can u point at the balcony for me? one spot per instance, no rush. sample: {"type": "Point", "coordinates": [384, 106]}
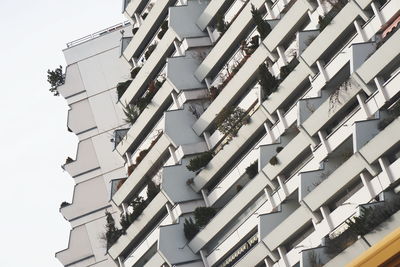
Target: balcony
{"type": "Point", "coordinates": [147, 119]}
{"type": "Point", "coordinates": [147, 29]}
{"type": "Point", "coordinates": [245, 75]}
{"type": "Point", "coordinates": [151, 68]}
{"type": "Point", "coordinates": [136, 179]}
{"type": "Point", "coordinates": [152, 212]}
{"type": "Point", "coordinates": [131, 7]}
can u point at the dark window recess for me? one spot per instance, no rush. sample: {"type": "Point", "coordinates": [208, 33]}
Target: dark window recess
{"type": "Point", "coordinates": [347, 191]}
{"type": "Point", "coordinates": [299, 236]}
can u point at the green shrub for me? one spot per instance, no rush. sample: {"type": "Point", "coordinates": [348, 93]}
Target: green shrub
{"type": "Point", "coordinates": [135, 72]}
{"type": "Point", "coordinates": [220, 23]}
{"type": "Point", "coordinates": [55, 78]}
{"type": "Point", "coordinates": [273, 160]}
{"type": "Point", "coordinates": [112, 233]}
{"type": "Point", "coordinates": [190, 229]}
{"type": "Point", "coordinates": [267, 81]}
{"type": "Point", "coordinates": [121, 88]}
{"type": "Point", "coordinates": [164, 29]}
{"type": "Point", "coordinates": [230, 120]}
{"type": "Point", "coordinates": [150, 51]}
{"type": "Point", "coordinates": [203, 215]}
{"type": "Point", "coordinates": [263, 26]}
{"type": "Point", "coordinates": [252, 170]}
{"type": "Point", "coordinates": [199, 162]}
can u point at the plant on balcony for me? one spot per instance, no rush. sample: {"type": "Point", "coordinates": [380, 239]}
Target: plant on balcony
{"type": "Point", "coordinates": [64, 204]}
{"type": "Point", "coordinates": [112, 233]}
{"type": "Point", "coordinates": [287, 69]}
{"type": "Point", "coordinates": [273, 161]}
{"type": "Point", "coordinates": [144, 15]}
{"type": "Point", "coordinates": [213, 92]}
{"type": "Point", "coordinates": [164, 29]}
{"type": "Point", "coordinates": [229, 120]}
{"type": "Point", "coordinates": [203, 215]}
{"type": "Point", "coordinates": [134, 30]}
{"type": "Point", "coordinates": [68, 160]}
{"type": "Point", "coordinates": [249, 47]}
{"type": "Point", "coordinates": [150, 51]}
{"type": "Point", "coordinates": [263, 26]}
{"type": "Point", "coordinates": [267, 81]}
{"type": "Point", "coordinates": [121, 88]}
{"type": "Point", "coordinates": [131, 113]}
{"type": "Point", "coordinates": [199, 162]}
{"type": "Point", "coordinates": [369, 219]}
{"type": "Point", "coordinates": [137, 205]}
{"type": "Point", "coordinates": [55, 78]}
{"type": "Point", "coordinates": [220, 23]}
{"type": "Point", "coordinates": [152, 190]}
{"type": "Point", "coordinates": [252, 169]}
{"type": "Point", "coordinates": [135, 71]}
{"type": "Point", "coordinates": [337, 5]}
{"type": "Point", "coordinates": [239, 187]}
{"type": "Point", "coordinates": [279, 149]}
{"type": "Point", "coordinates": [190, 229]}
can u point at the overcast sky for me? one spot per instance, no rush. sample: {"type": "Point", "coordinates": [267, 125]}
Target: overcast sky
{"type": "Point", "coordinates": [34, 137]}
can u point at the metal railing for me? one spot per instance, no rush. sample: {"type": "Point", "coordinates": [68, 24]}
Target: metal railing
{"type": "Point", "coordinates": [98, 33]}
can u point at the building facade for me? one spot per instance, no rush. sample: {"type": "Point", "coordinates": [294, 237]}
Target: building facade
{"type": "Point", "coordinates": [260, 133]}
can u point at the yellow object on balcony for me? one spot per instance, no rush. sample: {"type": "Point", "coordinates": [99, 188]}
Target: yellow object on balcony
{"type": "Point", "coordinates": [384, 253]}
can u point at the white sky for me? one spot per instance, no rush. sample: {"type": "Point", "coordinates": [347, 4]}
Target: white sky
{"type": "Point", "coordinates": [35, 141]}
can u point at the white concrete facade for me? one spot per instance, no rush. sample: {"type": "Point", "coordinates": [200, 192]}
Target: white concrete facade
{"type": "Point", "coordinates": [323, 145]}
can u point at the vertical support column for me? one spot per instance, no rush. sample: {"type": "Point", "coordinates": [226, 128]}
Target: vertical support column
{"type": "Point", "coordinates": [207, 139]}
{"type": "Point", "coordinates": [138, 19]}
{"type": "Point", "coordinates": [381, 88]}
{"type": "Point", "coordinates": [178, 48]}
{"type": "Point", "coordinates": [366, 180]}
{"type": "Point", "coordinates": [268, 194]}
{"type": "Point", "coordinates": [124, 208]}
{"type": "Point", "coordinates": [269, 10]}
{"type": "Point", "coordinates": [128, 158]}
{"type": "Point", "coordinates": [282, 185]}
{"type": "Point", "coordinates": [205, 197]}
{"type": "Point", "coordinates": [384, 163]}
{"type": "Point", "coordinates": [282, 56]}
{"type": "Point", "coordinates": [377, 13]}
{"type": "Point", "coordinates": [210, 34]}
{"type": "Point", "coordinates": [320, 65]}
{"type": "Point", "coordinates": [324, 142]}
{"type": "Point", "coordinates": [322, 6]}
{"type": "Point", "coordinates": [269, 132]}
{"type": "Point", "coordinates": [173, 154]}
{"type": "Point", "coordinates": [327, 217]}
{"type": "Point", "coordinates": [360, 30]}
{"type": "Point", "coordinates": [170, 212]}
{"type": "Point", "coordinates": [208, 82]}
{"type": "Point", "coordinates": [364, 108]}
{"type": "Point", "coordinates": [282, 253]}
{"type": "Point", "coordinates": [175, 99]}
{"type": "Point", "coordinates": [121, 262]}
{"type": "Point", "coordinates": [204, 258]}
{"type": "Point", "coordinates": [282, 118]}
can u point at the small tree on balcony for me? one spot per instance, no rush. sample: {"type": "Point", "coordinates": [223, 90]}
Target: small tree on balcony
{"type": "Point", "coordinates": [220, 23]}
{"type": "Point", "coordinates": [267, 81]}
{"type": "Point", "coordinates": [121, 88]}
{"type": "Point", "coordinates": [112, 232]}
{"type": "Point", "coordinates": [199, 162]}
{"type": "Point", "coordinates": [263, 26]}
{"type": "Point", "coordinates": [229, 120]}
{"type": "Point", "coordinates": [55, 78]}
{"type": "Point", "coordinates": [131, 113]}
{"type": "Point", "coordinates": [203, 215]}
{"type": "Point", "coordinates": [190, 229]}
{"type": "Point", "coordinates": [152, 190]}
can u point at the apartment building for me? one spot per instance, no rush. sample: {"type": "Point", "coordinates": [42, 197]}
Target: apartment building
{"type": "Point", "coordinates": [261, 133]}
{"type": "Point", "coordinates": [93, 69]}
